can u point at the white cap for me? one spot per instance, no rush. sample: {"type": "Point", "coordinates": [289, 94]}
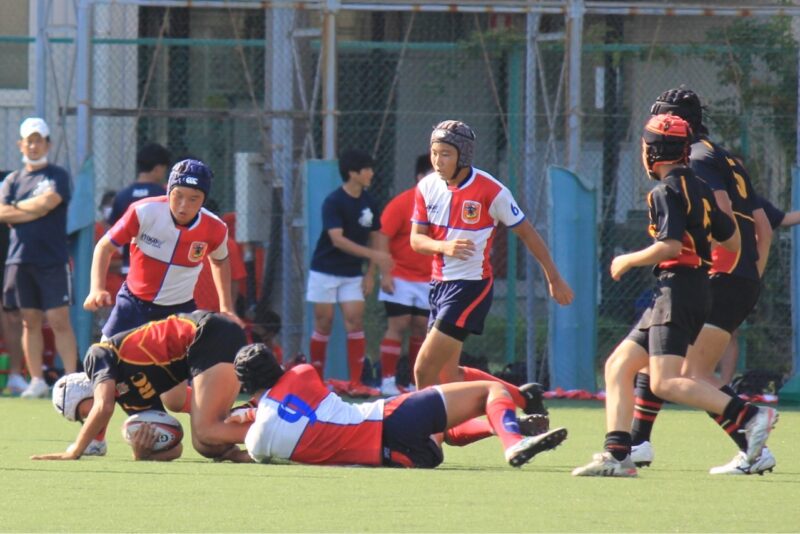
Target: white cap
{"type": "Point", "coordinates": [69, 391]}
{"type": "Point", "coordinates": [33, 125]}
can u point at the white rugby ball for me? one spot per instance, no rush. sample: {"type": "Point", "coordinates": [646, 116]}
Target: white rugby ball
{"type": "Point", "coordinates": [169, 431]}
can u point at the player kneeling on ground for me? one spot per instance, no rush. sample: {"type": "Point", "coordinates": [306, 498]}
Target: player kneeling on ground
{"type": "Point", "coordinates": [298, 419]}
{"type": "Point", "coordinates": [145, 369]}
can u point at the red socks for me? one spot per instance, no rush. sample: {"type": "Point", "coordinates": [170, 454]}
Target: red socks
{"type": "Point", "coordinates": [317, 349]}
{"type": "Point", "coordinates": [502, 416]}
{"type": "Point", "coordinates": [471, 374]}
{"type": "Point", "coordinates": [468, 432]}
{"type": "Point", "coordinates": [390, 353]}
{"type": "Point", "coordinates": [187, 404]}
{"type": "Point", "coordinates": [356, 348]}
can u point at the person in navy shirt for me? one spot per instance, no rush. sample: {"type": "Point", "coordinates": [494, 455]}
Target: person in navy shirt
{"type": "Point", "coordinates": [350, 225]}
{"type": "Point", "coordinates": [152, 163]}
{"type": "Point", "coordinates": [33, 201]}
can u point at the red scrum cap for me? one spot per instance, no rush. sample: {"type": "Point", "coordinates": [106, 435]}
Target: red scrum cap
{"type": "Point", "coordinates": [666, 140]}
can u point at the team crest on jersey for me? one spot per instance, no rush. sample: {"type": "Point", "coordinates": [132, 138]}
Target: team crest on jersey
{"type": "Point", "coordinates": [470, 211]}
{"type": "Point", "coordinates": [197, 250]}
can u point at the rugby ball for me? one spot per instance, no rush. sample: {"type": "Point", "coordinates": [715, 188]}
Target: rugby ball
{"type": "Point", "coordinates": [169, 431]}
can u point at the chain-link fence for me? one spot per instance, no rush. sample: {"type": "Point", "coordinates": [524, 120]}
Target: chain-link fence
{"type": "Point", "coordinates": [242, 85]}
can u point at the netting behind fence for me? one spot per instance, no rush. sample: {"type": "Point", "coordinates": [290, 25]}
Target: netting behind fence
{"type": "Point", "coordinates": [242, 89]}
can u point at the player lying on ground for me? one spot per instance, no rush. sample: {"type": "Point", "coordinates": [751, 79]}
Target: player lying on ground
{"type": "Point", "coordinates": [136, 368]}
{"type": "Point", "coordinates": [298, 419]}
{"type": "Point", "coordinates": [684, 218]}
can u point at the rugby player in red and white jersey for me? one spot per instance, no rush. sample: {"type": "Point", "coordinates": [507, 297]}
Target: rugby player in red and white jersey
{"type": "Point", "coordinates": [456, 212]}
{"type": "Point", "coordinates": [170, 237]}
{"type": "Point", "coordinates": [300, 420]}
{"type": "Point", "coordinates": [405, 289]}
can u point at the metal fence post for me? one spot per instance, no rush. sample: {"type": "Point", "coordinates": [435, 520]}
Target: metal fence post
{"type": "Point", "coordinates": [41, 58]}
{"type": "Point", "coordinates": [329, 80]}
{"type": "Point", "coordinates": [82, 321]}
{"type": "Point", "coordinates": [529, 180]}
{"type": "Point", "coordinates": [575, 43]}
{"type": "Point", "coordinates": [281, 82]}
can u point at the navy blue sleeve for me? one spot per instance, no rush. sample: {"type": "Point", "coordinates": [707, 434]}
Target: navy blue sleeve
{"type": "Point", "coordinates": [376, 217]}
{"type": "Point", "coordinates": [332, 213]}
{"type": "Point", "coordinates": [667, 214]}
{"type": "Point", "coordinates": [117, 209]}
{"type": "Point", "coordinates": [63, 184]}
{"type": "Point", "coordinates": [6, 189]}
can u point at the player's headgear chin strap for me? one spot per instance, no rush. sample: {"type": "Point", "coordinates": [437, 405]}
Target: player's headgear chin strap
{"type": "Point", "coordinates": [460, 136]}
{"type": "Point", "coordinates": [665, 141]}
{"type": "Point", "coordinates": [256, 367]}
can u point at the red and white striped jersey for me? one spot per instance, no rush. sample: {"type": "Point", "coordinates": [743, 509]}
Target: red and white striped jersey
{"type": "Point", "coordinates": [470, 211]}
{"type": "Point", "coordinates": [166, 259]}
{"type": "Point", "coordinates": [298, 419]}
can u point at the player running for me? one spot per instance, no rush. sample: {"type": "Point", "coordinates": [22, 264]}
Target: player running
{"type": "Point", "coordinates": [456, 212]}
{"type": "Point", "coordinates": [735, 281]}
{"type": "Point", "coordinates": [684, 218]}
{"type": "Point", "coordinates": [299, 419]}
{"type": "Point", "coordinates": [136, 368]}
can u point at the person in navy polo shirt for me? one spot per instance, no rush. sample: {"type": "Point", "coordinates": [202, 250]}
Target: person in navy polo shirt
{"type": "Point", "coordinates": [350, 224]}
{"type": "Point", "coordinates": [152, 164]}
{"type": "Point", "coordinates": [33, 201]}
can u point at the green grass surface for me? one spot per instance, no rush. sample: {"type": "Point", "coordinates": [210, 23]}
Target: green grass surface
{"type": "Point", "coordinates": [473, 491]}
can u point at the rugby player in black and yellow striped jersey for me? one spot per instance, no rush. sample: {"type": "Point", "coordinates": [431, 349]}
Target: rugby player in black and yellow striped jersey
{"type": "Point", "coordinates": [735, 280]}
{"type": "Point", "coordinates": [684, 219]}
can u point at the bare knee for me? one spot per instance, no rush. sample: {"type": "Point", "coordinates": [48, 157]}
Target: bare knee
{"type": "Point", "coordinates": [661, 388]}
{"type": "Point", "coordinates": [425, 371]}
{"type": "Point", "coordinates": [323, 325]}
{"type": "Point", "coordinates": [615, 364]}
{"type": "Point", "coordinates": [354, 324]}
{"type": "Point", "coordinates": [496, 390]}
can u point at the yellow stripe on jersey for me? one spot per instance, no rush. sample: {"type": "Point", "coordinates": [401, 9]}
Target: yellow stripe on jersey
{"type": "Point", "coordinates": [686, 195]}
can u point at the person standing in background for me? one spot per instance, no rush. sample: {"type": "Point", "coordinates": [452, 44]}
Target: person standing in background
{"type": "Point", "coordinates": [405, 290]}
{"type": "Point", "coordinates": [350, 230]}
{"type": "Point", "coordinates": [11, 323]}
{"type": "Point", "coordinates": [33, 201]}
{"type": "Point", "coordinates": [152, 163]}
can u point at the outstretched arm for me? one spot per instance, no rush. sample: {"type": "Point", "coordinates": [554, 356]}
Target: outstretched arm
{"type": "Point", "coordinates": [221, 274]}
{"type": "Point", "coordinates": [559, 289]}
{"type": "Point", "coordinates": [98, 418]}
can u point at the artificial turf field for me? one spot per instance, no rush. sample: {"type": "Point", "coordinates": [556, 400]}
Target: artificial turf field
{"type": "Point", "coordinates": [473, 491]}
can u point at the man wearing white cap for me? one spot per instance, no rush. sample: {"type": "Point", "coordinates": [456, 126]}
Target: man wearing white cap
{"type": "Point", "coordinates": [33, 202]}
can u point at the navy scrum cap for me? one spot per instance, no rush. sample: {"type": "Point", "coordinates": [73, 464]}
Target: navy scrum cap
{"type": "Point", "coordinates": [191, 173]}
